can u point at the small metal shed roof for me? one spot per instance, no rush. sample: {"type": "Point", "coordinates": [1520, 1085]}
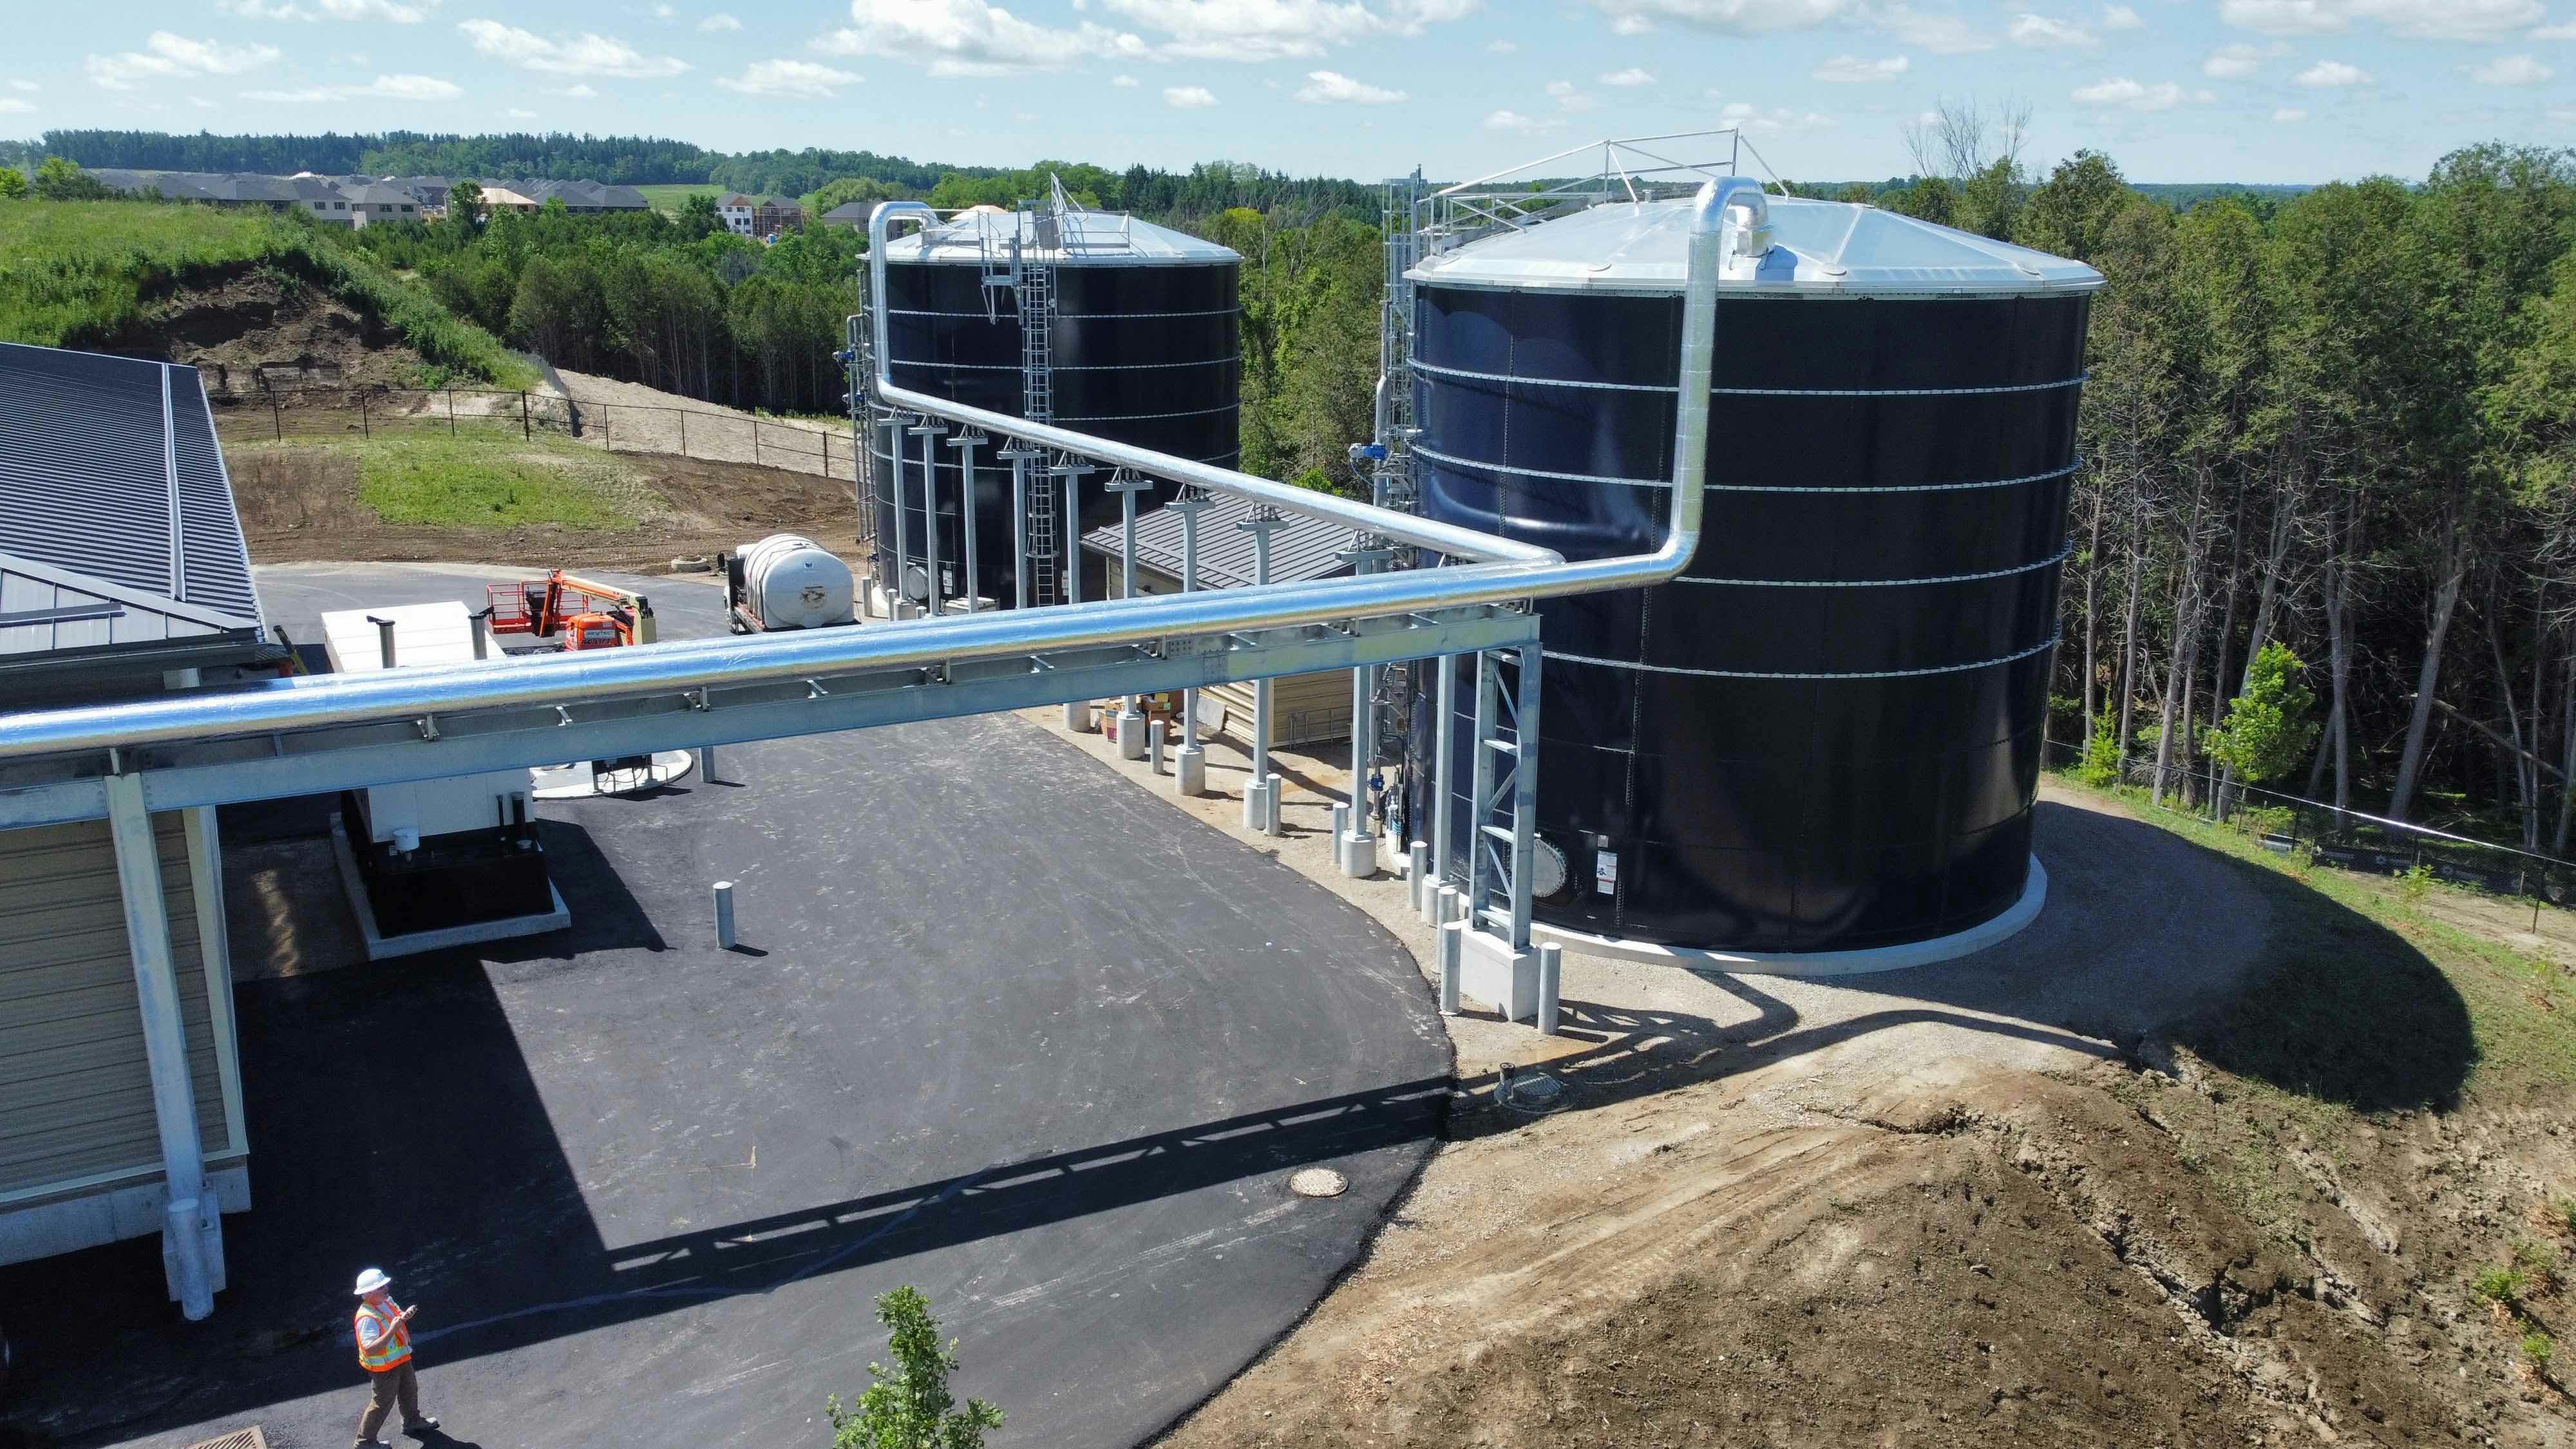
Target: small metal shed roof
{"type": "Point", "coordinates": [117, 524]}
{"type": "Point", "coordinates": [1301, 548]}
{"type": "Point", "coordinates": [1834, 248]}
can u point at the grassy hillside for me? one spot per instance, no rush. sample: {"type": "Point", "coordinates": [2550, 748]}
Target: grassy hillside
{"type": "Point", "coordinates": [672, 196]}
{"type": "Point", "coordinates": [81, 274]}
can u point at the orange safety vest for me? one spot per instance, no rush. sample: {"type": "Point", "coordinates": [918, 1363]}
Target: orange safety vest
{"type": "Point", "coordinates": [391, 1351]}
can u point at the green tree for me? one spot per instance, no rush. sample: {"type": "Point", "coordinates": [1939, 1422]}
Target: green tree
{"type": "Point", "coordinates": [909, 1406]}
{"type": "Point", "coordinates": [60, 180]}
{"type": "Point", "coordinates": [2069, 213]}
{"type": "Point", "coordinates": [2268, 732]}
{"type": "Point", "coordinates": [465, 204]}
{"type": "Point", "coordinates": [13, 183]}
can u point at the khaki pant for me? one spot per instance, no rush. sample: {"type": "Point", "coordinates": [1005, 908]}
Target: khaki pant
{"type": "Point", "coordinates": [390, 1386]}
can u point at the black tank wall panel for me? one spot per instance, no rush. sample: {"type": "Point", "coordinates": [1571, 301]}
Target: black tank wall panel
{"type": "Point", "coordinates": [1148, 355]}
{"type": "Point", "coordinates": [1826, 734]}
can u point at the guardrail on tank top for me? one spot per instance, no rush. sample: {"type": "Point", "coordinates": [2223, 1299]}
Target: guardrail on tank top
{"type": "Point", "coordinates": [712, 435]}
{"type": "Point", "coordinates": [2315, 830]}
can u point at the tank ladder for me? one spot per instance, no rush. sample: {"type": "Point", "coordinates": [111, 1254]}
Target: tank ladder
{"type": "Point", "coordinates": [1036, 296]}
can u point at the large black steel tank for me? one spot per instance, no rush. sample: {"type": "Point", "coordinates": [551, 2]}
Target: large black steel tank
{"type": "Point", "coordinates": [1825, 735]}
{"type": "Point", "coordinates": [1145, 343]}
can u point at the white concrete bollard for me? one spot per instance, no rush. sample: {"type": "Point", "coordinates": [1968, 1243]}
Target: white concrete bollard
{"type": "Point", "coordinates": [724, 914]}
{"type": "Point", "coordinates": [1417, 872]}
{"type": "Point", "coordinates": [1131, 734]}
{"type": "Point", "coordinates": [1077, 715]}
{"type": "Point", "coordinates": [1551, 978]}
{"type": "Point", "coordinates": [707, 763]}
{"type": "Point", "coordinates": [1453, 954]}
{"type": "Point", "coordinates": [1189, 770]}
{"type": "Point", "coordinates": [1270, 801]}
{"type": "Point", "coordinates": [1341, 824]}
{"type": "Point", "coordinates": [1154, 745]}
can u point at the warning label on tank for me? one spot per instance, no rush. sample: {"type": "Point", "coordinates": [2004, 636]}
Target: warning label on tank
{"type": "Point", "coordinates": [1605, 872]}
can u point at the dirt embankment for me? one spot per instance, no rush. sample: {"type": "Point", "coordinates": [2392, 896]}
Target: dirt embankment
{"type": "Point", "coordinates": [2049, 1195]}
{"type": "Point", "coordinates": [300, 503]}
{"type": "Point", "coordinates": [264, 317]}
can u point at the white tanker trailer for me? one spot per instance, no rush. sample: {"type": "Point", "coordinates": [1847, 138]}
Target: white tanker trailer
{"type": "Point", "coordinates": [786, 581]}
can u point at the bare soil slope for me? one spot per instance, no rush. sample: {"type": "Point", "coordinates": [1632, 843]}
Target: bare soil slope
{"type": "Point", "coordinates": [2201, 1158]}
{"type": "Point", "coordinates": [265, 316]}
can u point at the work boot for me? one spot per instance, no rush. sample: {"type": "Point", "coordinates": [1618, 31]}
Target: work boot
{"type": "Point", "coordinates": [371, 1444]}
{"type": "Point", "coordinates": [420, 1426]}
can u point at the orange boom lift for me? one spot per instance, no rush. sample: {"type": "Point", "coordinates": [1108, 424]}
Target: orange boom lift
{"type": "Point", "coordinates": [574, 611]}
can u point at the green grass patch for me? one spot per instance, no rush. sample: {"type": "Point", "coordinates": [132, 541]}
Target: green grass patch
{"type": "Point", "coordinates": [424, 479]}
{"type": "Point", "coordinates": [83, 273]}
{"type": "Point", "coordinates": [2371, 1004]}
{"type": "Point", "coordinates": [671, 196]}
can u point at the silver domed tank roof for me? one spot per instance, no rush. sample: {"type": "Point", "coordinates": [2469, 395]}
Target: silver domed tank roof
{"type": "Point", "coordinates": [1071, 237]}
{"type": "Point", "coordinates": [1832, 248]}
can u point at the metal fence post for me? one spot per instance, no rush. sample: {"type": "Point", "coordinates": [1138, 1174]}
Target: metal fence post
{"type": "Point", "coordinates": [276, 418]}
{"type": "Point", "coordinates": [755, 442]}
{"type": "Point", "coordinates": [363, 430]}
{"type": "Point", "coordinates": [684, 430]}
{"type": "Point", "coordinates": [527, 434]}
{"type": "Point", "coordinates": [451, 412]}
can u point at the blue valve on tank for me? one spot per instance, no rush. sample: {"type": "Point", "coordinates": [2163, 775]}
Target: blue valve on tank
{"type": "Point", "coordinates": [845, 356]}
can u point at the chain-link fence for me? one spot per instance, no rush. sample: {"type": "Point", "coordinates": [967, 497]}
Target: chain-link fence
{"type": "Point", "coordinates": [2347, 839]}
{"type": "Point", "coordinates": [277, 413]}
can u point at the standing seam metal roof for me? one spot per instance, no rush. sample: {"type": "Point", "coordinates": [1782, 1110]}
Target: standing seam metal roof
{"type": "Point", "coordinates": [1301, 549]}
{"type": "Point", "coordinates": [109, 467]}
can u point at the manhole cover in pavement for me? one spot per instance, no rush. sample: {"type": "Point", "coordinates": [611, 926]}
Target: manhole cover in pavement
{"type": "Point", "coordinates": [1319, 1182]}
{"type": "Point", "coordinates": [249, 1438]}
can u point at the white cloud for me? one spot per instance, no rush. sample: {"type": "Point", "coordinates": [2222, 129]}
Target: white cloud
{"type": "Point", "coordinates": [1257, 30]}
{"type": "Point", "coordinates": [165, 55]}
{"type": "Point", "coordinates": [1325, 87]}
{"type": "Point", "coordinates": [2121, 17]}
{"type": "Point", "coordinates": [720, 21]}
{"type": "Point", "coordinates": [12, 106]}
{"type": "Point", "coordinates": [1727, 17]}
{"type": "Point", "coordinates": [25, 85]}
{"type": "Point", "coordinates": [2131, 95]}
{"type": "Point", "coordinates": [2289, 115]}
{"type": "Point", "coordinates": [1568, 98]}
{"type": "Point", "coordinates": [354, 58]}
{"type": "Point", "coordinates": [1188, 98]}
{"type": "Point", "coordinates": [970, 38]}
{"type": "Point", "coordinates": [2232, 62]}
{"type": "Point", "coordinates": [1940, 33]}
{"type": "Point", "coordinates": [1746, 117]}
{"type": "Point", "coordinates": [584, 54]}
{"type": "Point", "coordinates": [2488, 20]}
{"type": "Point", "coordinates": [393, 10]}
{"type": "Point", "coordinates": [1502, 47]}
{"type": "Point", "coordinates": [1852, 70]}
{"type": "Point", "coordinates": [2564, 116]}
{"type": "Point", "coordinates": [201, 103]}
{"type": "Point", "coordinates": [1635, 75]}
{"type": "Point", "coordinates": [517, 114]}
{"type": "Point", "coordinates": [788, 78]}
{"type": "Point", "coordinates": [2039, 32]}
{"type": "Point", "coordinates": [2511, 70]}
{"type": "Point", "coordinates": [383, 87]}
{"type": "Point", "coordinates": [582, 92]}
{"type": "Point", "coordinates": [1123, 82]}
{"type": "Point", "coordinates": [2555, 32]}
{"type": "Point", "coordinates": [1517, 123]}
{"type": "Point", "coordinates": [2332, 73]}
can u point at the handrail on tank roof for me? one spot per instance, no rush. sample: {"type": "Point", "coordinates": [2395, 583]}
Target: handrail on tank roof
{"type": "Point", "coordinates": [1514, 572]}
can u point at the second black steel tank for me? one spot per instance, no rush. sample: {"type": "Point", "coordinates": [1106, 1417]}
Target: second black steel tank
{"type": "Point", "coordinates": [1140, 342]}
{"type": "Point", "coordinates": [1825, 735]}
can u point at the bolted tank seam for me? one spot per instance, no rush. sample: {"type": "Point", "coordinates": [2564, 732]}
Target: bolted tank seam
{"type": "Point", "coordinates": [1134, 417]}
{"type": "Point", "coordinates": [1076, 366]}
{"type": "Point", "coordinates": [2078, 380]}
{"type": "Point", "coordinates": [2061, 556]}
{"type": "Point", "coordinates": [1456, 462]}
{"type": "Point", "coordinates": [2044, 645]}
{"type": "Point", "coordinates": [1432, 367]}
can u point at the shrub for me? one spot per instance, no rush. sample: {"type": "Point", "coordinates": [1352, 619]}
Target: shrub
{"type": "Point", "coordinates": [909, 1406]}
{"type": "Point", "coordinates": [2100, 764]}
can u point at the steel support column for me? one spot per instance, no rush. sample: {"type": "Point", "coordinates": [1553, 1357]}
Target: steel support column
{"type": "Point", "coordinates": [192, 1244]}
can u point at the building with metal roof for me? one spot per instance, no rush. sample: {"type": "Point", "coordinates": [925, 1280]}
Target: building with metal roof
{"type": "Point", "coordinates": [122, 576]}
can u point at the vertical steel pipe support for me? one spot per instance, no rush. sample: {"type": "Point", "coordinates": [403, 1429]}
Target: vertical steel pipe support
{"type": "Point", "coordinates": [1444, 783]}
{"type": "Point", "coordinates": [927, 431]}
{"type": "Point", "coordinates": [1019, 457]}
{"type": "Point", "coordinates": [1189, 770]}
{"type": "Point", "coordinates": [966, 444]}
{"type": "Point", "coordinates": [1525, 741]}
{"type": "Point", "coordinates": [1131, 720]}
{"type": "Point", "coordinates": [1480, 870]}
{"type": "Point", "coordinates": [192, 1241]}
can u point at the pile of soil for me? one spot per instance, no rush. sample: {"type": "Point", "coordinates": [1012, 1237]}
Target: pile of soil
{"type": "Point", "coordinates": [300, 504]}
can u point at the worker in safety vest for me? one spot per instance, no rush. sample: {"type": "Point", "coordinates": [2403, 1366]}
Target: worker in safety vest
{"type": "Point", "coordinates": [384, 1351]}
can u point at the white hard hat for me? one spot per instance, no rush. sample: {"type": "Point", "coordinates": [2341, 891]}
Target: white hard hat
{"type": "Point", "coordinates": [373, 1280]}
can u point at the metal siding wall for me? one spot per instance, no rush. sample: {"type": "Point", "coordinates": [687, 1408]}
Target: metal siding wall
{"type": "Point", "coordinates": [1147, 355]}
{"type": "Point", "coordinates": [1776, 814]}
{"type": "Point", "coordinates": [75, 1089]}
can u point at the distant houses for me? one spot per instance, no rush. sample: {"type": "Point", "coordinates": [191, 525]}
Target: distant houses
{"type": "Point", "coordinates": [357, 201]}
{"type": "Point", "coordinates": [759, 215]}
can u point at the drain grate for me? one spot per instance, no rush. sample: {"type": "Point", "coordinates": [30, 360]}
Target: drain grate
{"type": "Point", "coordinates": [250, 1438]}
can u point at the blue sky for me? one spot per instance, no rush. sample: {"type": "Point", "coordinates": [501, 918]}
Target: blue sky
{"type": "Point", "coordinates": [2175, 90]}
